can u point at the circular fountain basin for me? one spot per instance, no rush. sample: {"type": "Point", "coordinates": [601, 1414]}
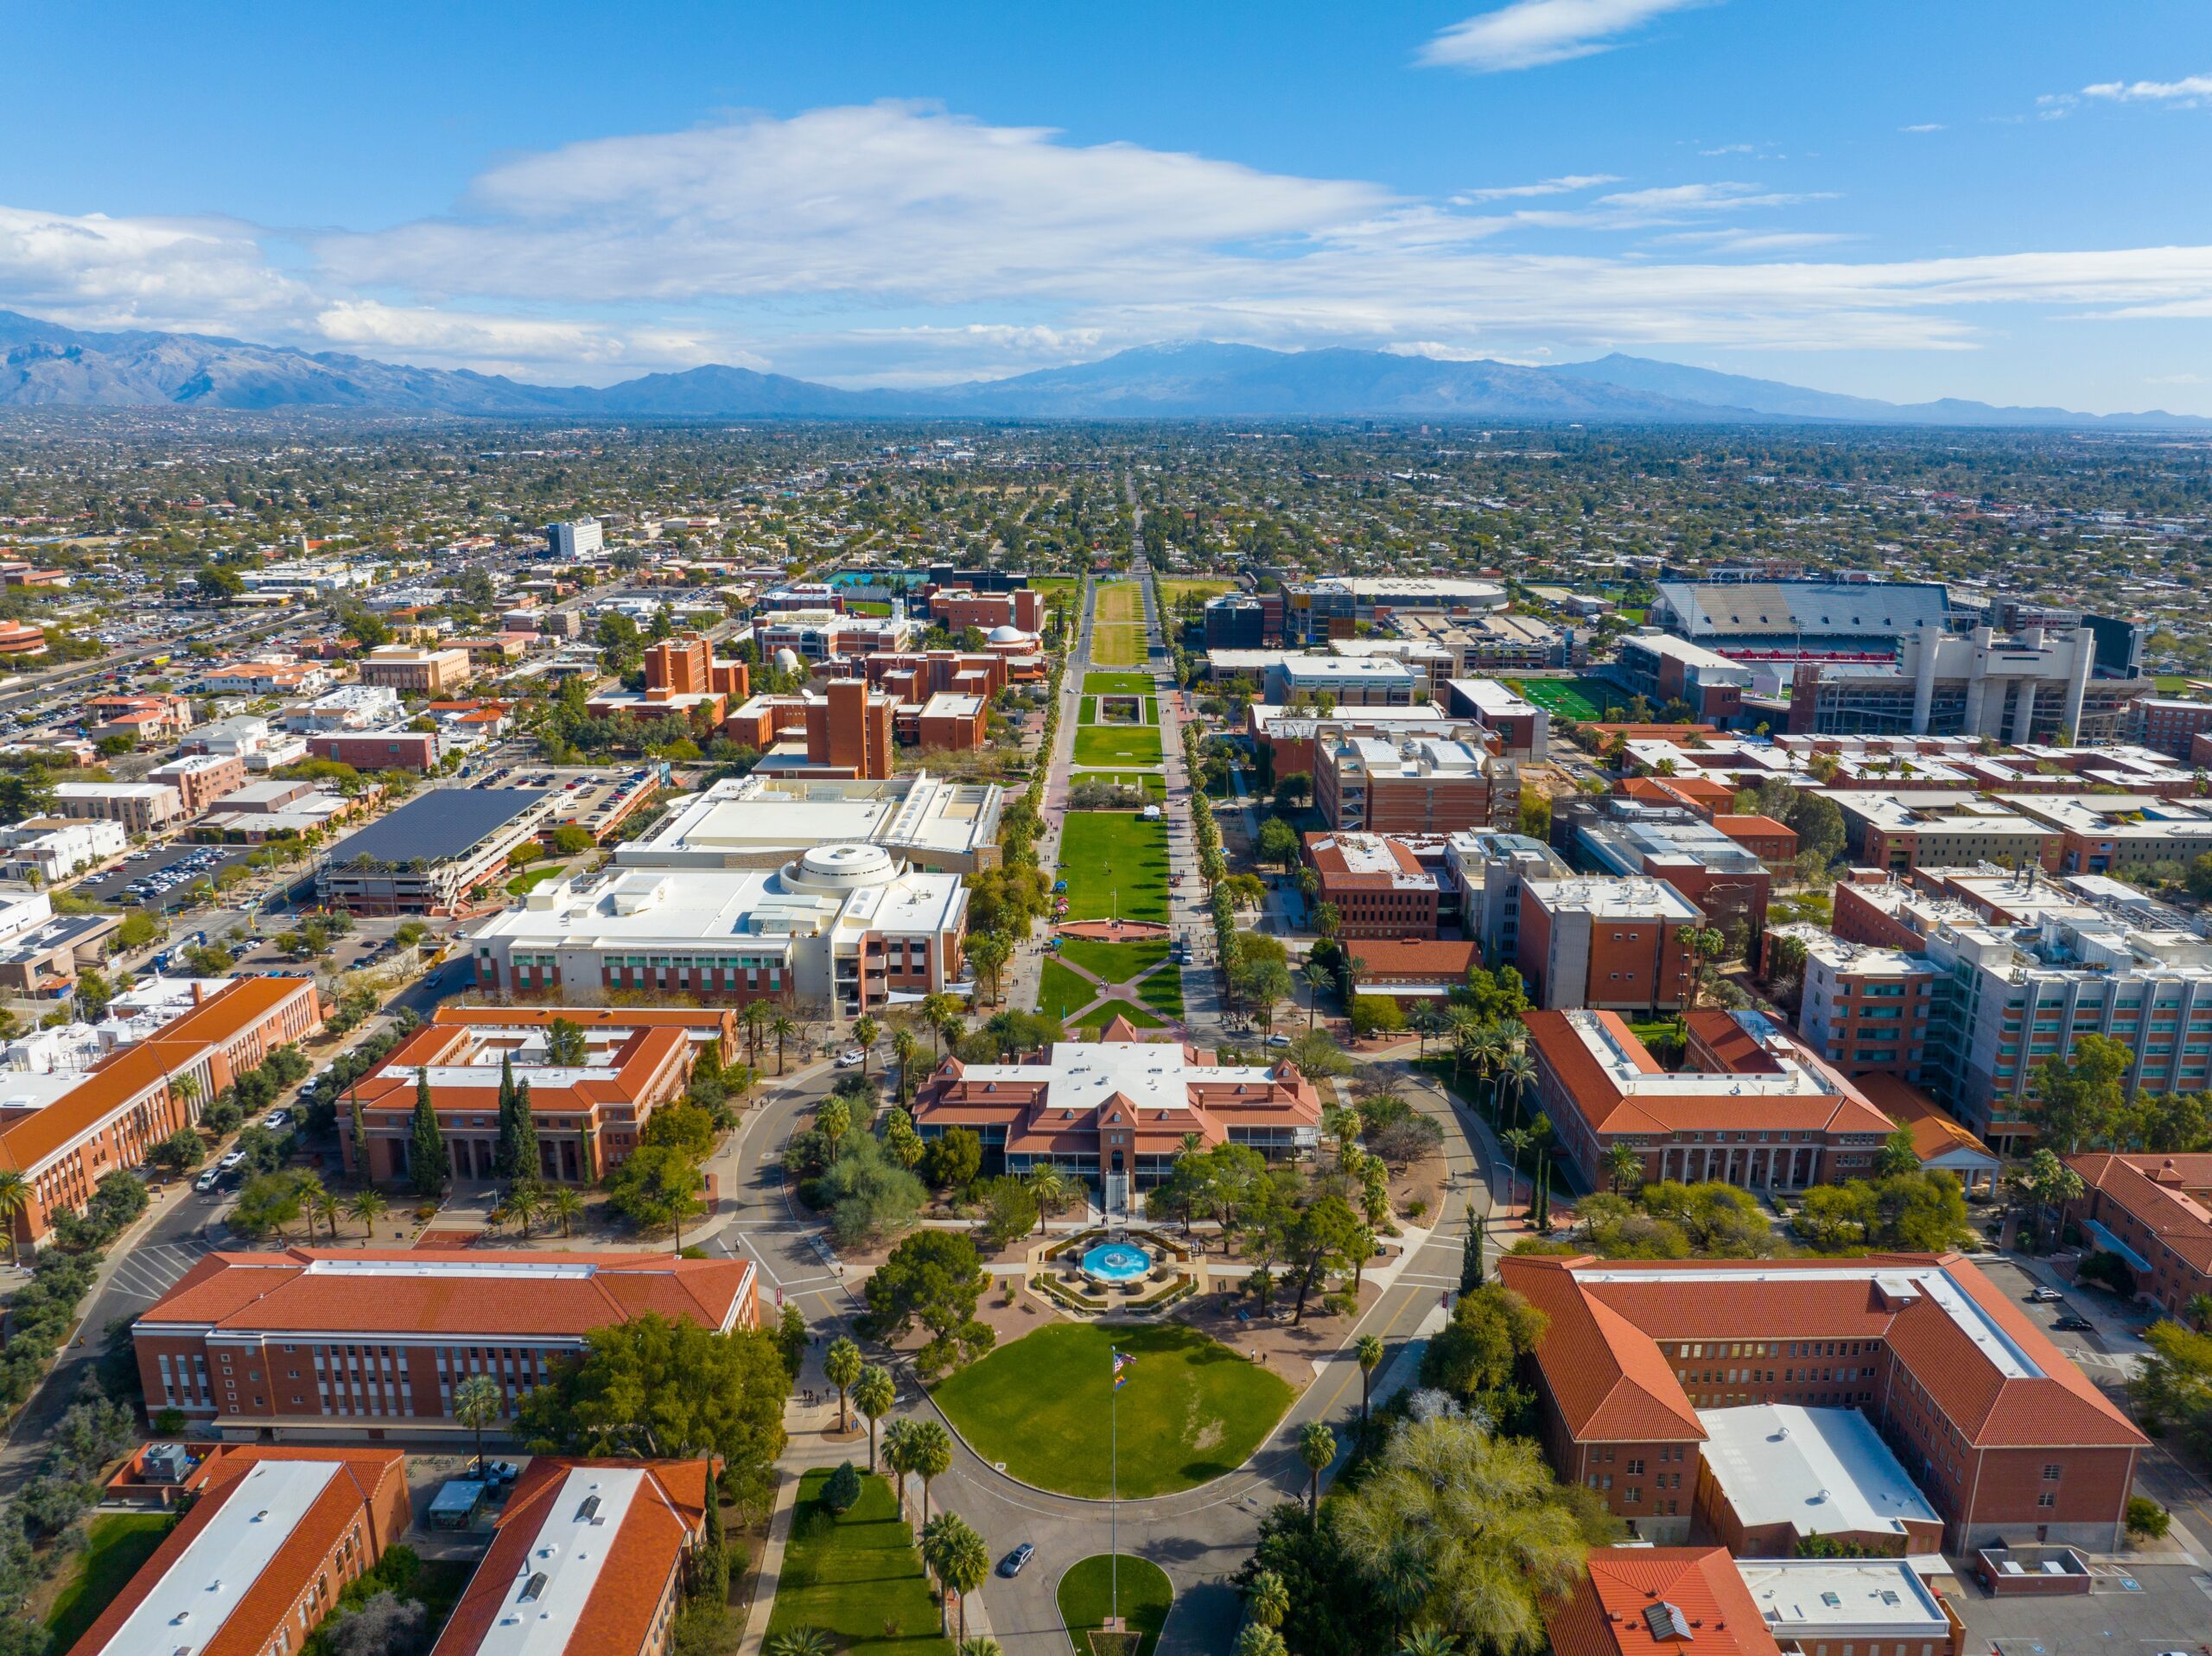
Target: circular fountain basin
{"type": "Point", "coordinates": [1117, 1262]}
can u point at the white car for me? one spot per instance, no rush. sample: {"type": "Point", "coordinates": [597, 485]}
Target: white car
{"type": "Point", "coordinates": [851, 1058]}
{"type": "Point", "coordinates": [230, 1161]}
{"type": "Point", "coordinates": [277, 1120]}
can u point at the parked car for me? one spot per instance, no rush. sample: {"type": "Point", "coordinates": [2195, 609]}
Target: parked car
{"type": "Point", "coordinates": [1010, 1566]}
{"type": "Point", "coordinates": [2045, 1296]}
{"type": "Point", "coordinates": [234, 1159]}
{"type": "Point", "coordinates": [2074, 1325]}
{"type": "Point", "coordinates": [851, 1058]}
{"type": "Point", "coordinates": [208, 1180]}
{"type": "Point", "coordinates": [277, 1120]}
{"type": "Point", "coordinates": [500, 1473]}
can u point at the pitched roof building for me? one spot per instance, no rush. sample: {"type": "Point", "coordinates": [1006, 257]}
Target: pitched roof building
{"type": "Point", "coordinates": [2004, 1435]}
{"type": "Point", "coordinates": [260, 1557]}
{"type": "Point", "coordinates": [1750, 1106]}
{"type": "Point", "coordinates": [1119, 1107]}
{"type": "Point", "coordinates": [587, 1561]}
{"type": "Point", "coordinates": [2155, 1211]}
{"type": "Point", "coordinates": [1653, 1601]}
{"type": "Point", "coordinates": [308, 1342]}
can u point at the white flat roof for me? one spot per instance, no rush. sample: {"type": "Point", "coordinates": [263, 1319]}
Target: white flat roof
{"type": "Point", "coordinates": [1618, 897]}
{"type": "Point", "coordinates": [203, 1589]}
{"type": "Point", "coordinates": [1824, 1471]}
{"type": "Point", "coordinates": [1882, 1597]}
{"type": "Point", "coordinates": [1792, 1080]}
{"type": "Point", "coordinates": [544, 1602]}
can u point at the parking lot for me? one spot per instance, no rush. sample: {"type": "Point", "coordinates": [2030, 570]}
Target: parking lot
{"type": "Point", "coordinates": [161, 875]}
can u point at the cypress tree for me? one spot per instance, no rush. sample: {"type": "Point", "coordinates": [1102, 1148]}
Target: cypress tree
{"type": "Point", "coordinates": [503, 1156]}
{"type": "Point", "coordinates": [1470, 1257]}
{"type": "Point", "coordinates": [716, 1564]}
{"type": "Point", "coordinates": [525, 1136]}
{"type": "Point", "coordinates": [433, 1162]}
{"type": "Point", "coordinates": [587, 1161]}
{"type": "Point", "coordinates": [360, 1139]}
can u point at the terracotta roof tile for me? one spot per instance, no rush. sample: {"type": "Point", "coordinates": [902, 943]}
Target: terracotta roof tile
{"type": "Point", "coordinates": [1604, 1616]}
{"type": "Point", "coordinates": [2172, 1196]}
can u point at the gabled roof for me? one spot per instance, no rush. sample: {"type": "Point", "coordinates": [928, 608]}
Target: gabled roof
{"type": "Point", "coordinates": [1607, 1377]}
{"type": "Point", "coordinates": [2172, 1196]}
{"type": "Point", "coordinates": [1649, 1599]}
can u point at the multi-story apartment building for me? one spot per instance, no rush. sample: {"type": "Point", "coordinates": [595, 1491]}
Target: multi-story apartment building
{"type": "Point", "coordinates": [2169, 725]}
{"type": "Point", "coordinates": [1605, 941]}
{"type": "Point", "coordinates": [139, 807]}
{"type": "Point", "coordinates": [1481, 887]}
{"type": "Point", "coordinates": [268, 1540]}
{"type": "Point", "coordinates": [1423, 784]}
{"type": "Point", "coordinates": [1116, 1110]}
{"type": "Point", "coordinates": [2006, 997]}
{"type": "Point", "coordinates": [2006, 1437]}
{"type": "Point", "coordinates": [152, 720]}
{"type": "Point", "coordinates": [589, 1558]}
{"type": "Point", "coordinates": [311, 1344]}
{"type": "Point", "coordinates": [1748, 1106]}
{"type": "Point", "coordinates": [412, 670]}
{"type": "Point", "coordinates": [589, 1116]}
{"type": "Point", "coordinates": [569, 542]}
{"type": "Point", "coordinates": [136, 1096]}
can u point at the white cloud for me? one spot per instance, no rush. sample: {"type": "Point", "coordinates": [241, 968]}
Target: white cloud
{"type": "Point", "coordinates": [2188, 91]}
{"type": "Point", "coordinates": [95, 271]}
{"type": "Point", "coordinates": [1924, 126]}
{"type": "Point", "coordinates": [1567, 185]}
{"type": "Point", "coordinates": [1531, 33]}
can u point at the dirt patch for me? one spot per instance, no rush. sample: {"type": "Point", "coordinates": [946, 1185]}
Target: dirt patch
{"type": "Point", "coordinates": [1112, 931]}
{"type": "Point", "coordinates": [1420, 1181]}
{"type": "Point", "coordinates": [1290, 1350]}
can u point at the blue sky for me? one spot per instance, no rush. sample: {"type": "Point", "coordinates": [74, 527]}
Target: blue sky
{"type": "Point", "coordinates": [1982, 199]}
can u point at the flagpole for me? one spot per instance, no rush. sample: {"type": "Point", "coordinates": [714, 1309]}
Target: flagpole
{"type": "Point", "coordinates": [1114, 1483]}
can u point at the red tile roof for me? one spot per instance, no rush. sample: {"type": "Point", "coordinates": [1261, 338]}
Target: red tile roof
{"type": "Point", "coordinates": [447, 1292]}
{"type": "Point", "coordinates": [1934, 1131]}
{"type": "Point", "coordinates": [1414, 962]}
{"type": "Point", "coordinates": [2170, 1195]}
{"type": "Point", "coordinates": [1809, 1298]}
{"type": "Point", "coordinates": [616, 1618]}
{"type": "Point", "coordinates": [1607, 1377]}
{"type": "Point", "coordinates": [247, 1631]}
{"type": "Point", "coordinates": [1606, 1614]}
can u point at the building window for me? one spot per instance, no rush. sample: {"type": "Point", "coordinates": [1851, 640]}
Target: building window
{"type": "Point", "coordinates": [2051, 1473]}
{"type": "Point", "coordinates": [2048, 1498]}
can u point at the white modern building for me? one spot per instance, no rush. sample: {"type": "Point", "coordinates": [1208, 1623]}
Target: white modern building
{"type": "Point", "coordinates": [573, 540]}
{"type": "Point", "coordinates": [845, 928]}
{"type": "Point", "coordinates": [54, 848]}
{"type": "Point", "coordinates": [761, 821]}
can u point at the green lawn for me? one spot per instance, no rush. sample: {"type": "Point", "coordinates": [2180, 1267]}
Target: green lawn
{"type": "Point", "coordinates": [118, 1544]}
{"type": "Point", "coordinates": [1113, 962]}
{"type": "Point", "coordinates": [1114, 863]}
{"type": "Point", "coordinates": [1119, 601]}
{"type": "Point", "coordinates": [1193, 1411]}
{"type": "Point", "coordinates": [1096, 1586]}
{"type": "Point", "coordinates": [1163, 992]}
{"type": "Point", "coordinates": [855, 1576]}
{"type": "Point", "coordinates": [1094, 1022]}
{"type": "Point", "coordinates": [867, 607]}
{"type": "Point", "coordinates": [1585, 699]}
{"type": "Point", "coordinates": [537, 876]}
{"type": "Point", "coordinates": [1150, 781]}
{"type": "Point", "coordinates": [2169, 684]}
{"type": "Point", "coordinates": [1171, 592]}
{"type": "Point", "coordinates": [1118, 646]}
{"type": "Point", "coordinates": [1062, 993]}
{"type": "Point", "coordinates": [1117, 744]}
{"type": "Point", "coordinates": [1089, 713]}
{"type": "Point", "coordinates": [1119, 684]}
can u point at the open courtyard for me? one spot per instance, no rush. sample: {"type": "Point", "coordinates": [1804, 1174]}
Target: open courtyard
{"type": "Point", "coordinates": [1192, 1409]}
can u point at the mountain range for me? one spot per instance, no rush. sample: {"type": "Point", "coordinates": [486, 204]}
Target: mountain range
{"type": "Point", "coordinates": [45, 365]}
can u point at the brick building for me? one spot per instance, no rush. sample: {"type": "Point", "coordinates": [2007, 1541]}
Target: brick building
{"type": "Point", "coordinates": [2155, 1211]}
{"type": "Point", "coordinates": [951, 724]}
{"type": "Point", "coordinates": [1749, 1106]}
{"type": "Point", "coordinates": [681, 677]}
{"type": "Point", "coordinates": [958, 607]}
{"type": "Point", "coordinates": [271, 1538]}
{"type": "Point", "coordinates": [133, 1098]}
{"type": "Point", "coordinates": [153, 719]}
{"type": "Point", "coordinates": [588, 1116]}
{"type": "Point", "coordinates": [849, 731]}
{"type": "Point", "coordinates": [1425, 784]}
{"type": "Point", "coordinates": [1595, 941]}
{"type": "Point", "coordinates": [309, 1344]}
{"type": "Point", "coordinates": [2004, 1435]}
{"type": "Point", "coordinates": [1377, 883]}
{"type": "Point", "coordinates": [2170, 726]}
{"type": "Point", "coordinates": [200, 779]}
{"type": "Point", "coordinates": [590, 1554]}
{"type": "Point", "coordinates": [380, 750]}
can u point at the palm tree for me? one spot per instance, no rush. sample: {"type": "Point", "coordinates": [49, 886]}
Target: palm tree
{"type": "Point", "coordinates": [1255, 1639]}
{"type": "Point", "coordinates": [840, 1366]}
{"type": "Point", "coordinates": [524, 1202]}
{"type": "Point", "coordinates": [783, 1029]}
{"type": "Point", "coordinates": [1318, 978]}
{"type": "Point", "coordinates": [1623, 1166]}
{"type": "Point", "coordinates": [899, 1456]}
{"type": "Point", "coordinates": [961, 1562]}
{"type": "Point", "coordinates": [477, 1403]}
{"type": "Point", "coordinates": [904, 1046]}
{"type": "Point", "coordinates": [874, 1394]}
{"type": "Point", "coordinates": [1050, 1189]}
{"type": "Point", "coordinates": [566, 1206]}
{"type": "Point", "coordinates": [1428, 1017]}
{"type": "Point", "coordinates": [866, 1030]}
{"type": "Point", "coordinates": [799, 1641]}
{"type": "Point", "coordinates": [1267, 1598]}
{"type": "Point", "coordinates": [932, 1451]}
{"type": "Point", "coordinates": [1429, 1641]}
{"type": "Point", "coordinates": [1518, 1141]}
{"type": "Point", "coordinates": [326, 1206]}
{"type": "Point", "coordinates": [1518, 1067]}
{"type": "Point", "coordinates": [981, 1645]}
{"type": "Point", "coordinates": [939, 1010]}
{"type": "Point", "coordinates": [367, 1204]}
{"type": "Point", "coordinates": [756, 1018]}
{"type": "Point", "coordinates": [1316, 1447]}
{"type": "Point", "coordinates": [14, 1196]}
{"type": "Point", "coordinates": [1368, 1352]}
{"type": "Point", "coordinates": [2199, 1310]}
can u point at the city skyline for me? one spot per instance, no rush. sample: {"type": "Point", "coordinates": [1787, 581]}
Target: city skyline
{"type": "Point", "coordinates": [1887, 204]}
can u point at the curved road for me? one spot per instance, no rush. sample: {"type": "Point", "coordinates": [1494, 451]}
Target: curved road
{"type": "Point", "coordinates": [1200, 1537]}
